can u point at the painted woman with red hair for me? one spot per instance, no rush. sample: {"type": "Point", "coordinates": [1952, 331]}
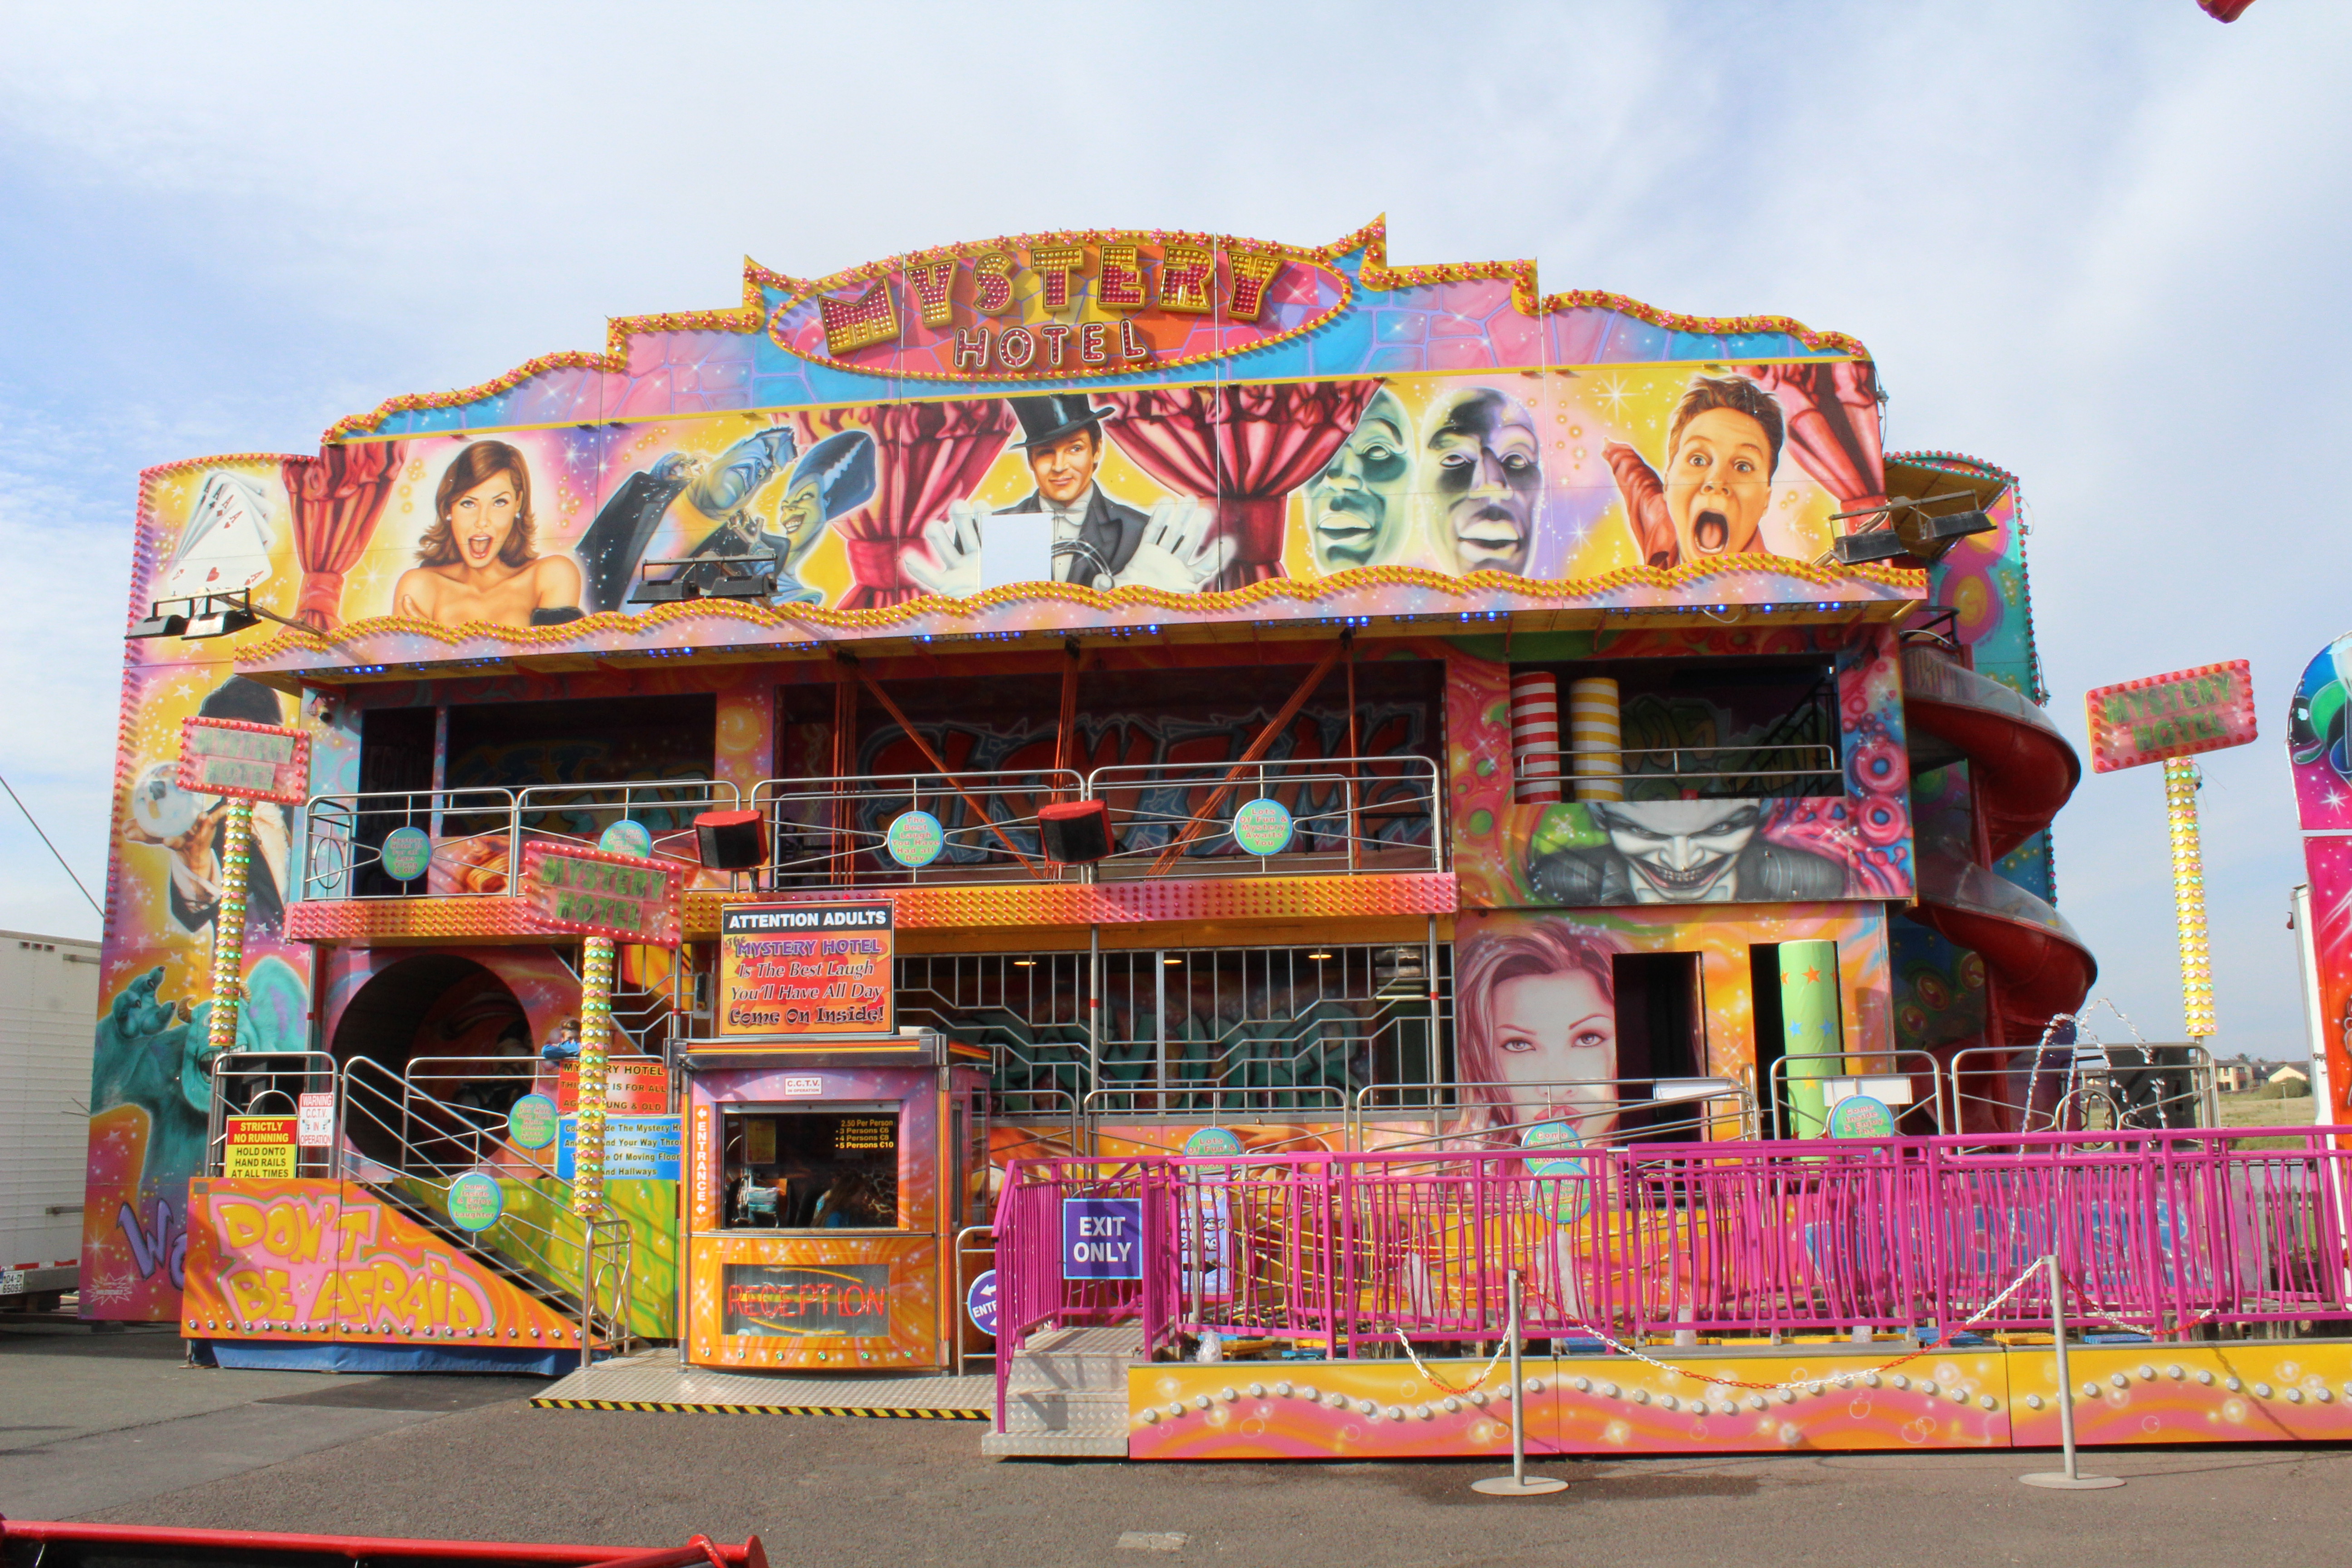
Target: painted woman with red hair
{"type": "Point", "coordinates": [1537, 1038]}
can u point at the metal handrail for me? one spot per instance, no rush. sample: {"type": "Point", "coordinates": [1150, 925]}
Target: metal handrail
{"type": "Point", "coordinates": [1443, 1102]}
{"type": "Point", "coordinates": [2091, 1072]}
{"type": "Point", "coordinates": [1340, 807]}
{"type": "Point", "coordinates": [1855, 1081]}
{"type": "Point", "coordinates": [464, 1139]}
{"type": "Point", "coordinates": [315, 1068]}
{"type": "Point", "coordinates": [335, 849]}
{"type": "Point", "coordinates": [836, 831]}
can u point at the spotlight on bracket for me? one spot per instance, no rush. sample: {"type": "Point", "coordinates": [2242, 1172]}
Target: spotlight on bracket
{"type": "Point", "coordinates": [199, 615]}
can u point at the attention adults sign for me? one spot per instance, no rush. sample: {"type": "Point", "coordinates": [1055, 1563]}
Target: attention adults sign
{"type": "Point", "coordinates": [2178, 715]}
{"type": "Point", "coordinates": [805, 969]}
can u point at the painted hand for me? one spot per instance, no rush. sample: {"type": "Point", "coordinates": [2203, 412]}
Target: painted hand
{"type": "Point", "coordinates": [1178, 552]}
{"type": "Point", "coordinates": [949, 562]}
{"type": "Point", "coordinates": [1645, 504]}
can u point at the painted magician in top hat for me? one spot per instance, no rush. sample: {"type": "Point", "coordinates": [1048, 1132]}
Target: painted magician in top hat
{"type": "Point", "coordinates": [1067, 529]}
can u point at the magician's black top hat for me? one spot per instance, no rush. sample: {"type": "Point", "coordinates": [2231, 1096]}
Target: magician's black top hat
{"type": "Point", "coordinates": [1054, 415]}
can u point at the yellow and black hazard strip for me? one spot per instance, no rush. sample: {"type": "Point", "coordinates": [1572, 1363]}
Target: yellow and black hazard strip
{"type": "Point", "coordinates": [678, 1407]}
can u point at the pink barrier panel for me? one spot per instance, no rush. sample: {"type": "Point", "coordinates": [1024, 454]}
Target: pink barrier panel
{"type": "Point", "coordinates": [2153, 1231]}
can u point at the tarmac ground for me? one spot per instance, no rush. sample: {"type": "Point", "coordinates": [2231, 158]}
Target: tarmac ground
{"type": "Point", "coordinates": [112, 1428]}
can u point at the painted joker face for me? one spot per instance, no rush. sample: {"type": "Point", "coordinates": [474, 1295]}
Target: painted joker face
{"type": "Point", "coordinates": [1484, 472]}
{"type": "Point", "coordinates": [1681, 851]}
{"type": "Point", "coordinates": [1355, 506]}
{"type": "Point", "coordinates": [1718, 483]}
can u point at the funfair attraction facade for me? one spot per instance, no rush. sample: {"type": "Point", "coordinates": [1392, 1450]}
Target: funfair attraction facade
{"type": "Point", "coordinates": [696, 843]}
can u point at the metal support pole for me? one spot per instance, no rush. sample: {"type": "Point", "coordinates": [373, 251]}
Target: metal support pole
{"type": "Point", "coordinates": [1518, 1483]}
{"type": "Point", "coordinates": [2071, 1479]}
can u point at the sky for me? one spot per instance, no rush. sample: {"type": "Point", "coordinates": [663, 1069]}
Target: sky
{"type": "Point", "coordinates": [2100, 244]}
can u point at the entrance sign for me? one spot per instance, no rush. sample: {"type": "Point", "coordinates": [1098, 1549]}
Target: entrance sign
{"type": "Point", "coordinates": [980, 1303]}
{"type": "Point", "coordinates": [595, 894]}
{"type": "Point", "coordinates": [2206, 709]}
{"type": "Point", "coordinates": [260, 1146]}
{"type": "Point", "coordinates": [245, 762]}
{"type": "Point", "coordinates": [314, 1121]}
{"type": "Point", "coordinates": [1102, 1239]}
{"type": "Point", "coordinates": [805, 969]}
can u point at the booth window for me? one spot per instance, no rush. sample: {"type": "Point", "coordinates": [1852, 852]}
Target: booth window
{"type": "Point", "coordinates": [835, 1169]}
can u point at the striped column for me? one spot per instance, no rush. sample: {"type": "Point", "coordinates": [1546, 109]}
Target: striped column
{"type": "Point", "coordinates": [1535, 736]}
{"type": "Point", "coordinates": [1596, 745]}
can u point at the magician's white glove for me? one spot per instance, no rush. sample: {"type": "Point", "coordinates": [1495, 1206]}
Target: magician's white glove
{"type": "Point", "coordinates": [1178, 552]}
{"type": "Point", "coordinates": [947, 562]}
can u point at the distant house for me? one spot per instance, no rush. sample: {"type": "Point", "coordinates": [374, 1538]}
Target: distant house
{"type": "Point", "coordinates": [2233, 1078]}
{"type": "Point", "coordinates": [2290, 1075]}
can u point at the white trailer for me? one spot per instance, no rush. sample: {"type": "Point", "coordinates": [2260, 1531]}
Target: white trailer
{"type": "Point", "coordinates": [48, 1015]}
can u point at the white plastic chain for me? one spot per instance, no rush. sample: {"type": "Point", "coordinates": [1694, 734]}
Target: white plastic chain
{"type": "Point", "coordinates": [1802, 1386]}
{"type": "Point", "coordinates": [1473, 1383]}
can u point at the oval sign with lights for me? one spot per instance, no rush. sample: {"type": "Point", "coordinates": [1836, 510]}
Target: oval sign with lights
{"type": "Point", "coordinates": [1263, 828]}
{"type": "Point", "coordinates": [915, 840]}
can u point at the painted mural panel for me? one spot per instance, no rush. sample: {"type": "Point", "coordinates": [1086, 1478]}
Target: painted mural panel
{"type": "Point", "coordinates": [1678, 838]}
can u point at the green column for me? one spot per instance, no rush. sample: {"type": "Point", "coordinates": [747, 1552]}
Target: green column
{"type": "Point", "coordinates": [1810, 1024]}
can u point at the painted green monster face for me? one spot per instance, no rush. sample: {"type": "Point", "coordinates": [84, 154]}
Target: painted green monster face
{"type": "Point", "coordinates": [1356, 512]}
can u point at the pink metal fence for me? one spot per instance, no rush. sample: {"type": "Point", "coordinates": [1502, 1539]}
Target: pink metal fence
{"type": "Point", "coordinates": [2158, 1232]}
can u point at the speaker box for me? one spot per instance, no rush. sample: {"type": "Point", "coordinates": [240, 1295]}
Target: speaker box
{"type": "Point", "coordinates": [730, 840]}
{"type": "Point", "coordinates": [1075, 832]}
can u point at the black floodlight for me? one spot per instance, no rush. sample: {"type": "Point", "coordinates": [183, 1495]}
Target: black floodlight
{"type": "Point", "coordinates": [1878, 544]}
{"type": "Point", "coordinates": [708, 576]}
{"type": "Point", "coordinates": [1902, 532]}
{"type": "Point", "coordinates": [1927, 538]}
{"type": "Point", "coordinates": [200, 616]}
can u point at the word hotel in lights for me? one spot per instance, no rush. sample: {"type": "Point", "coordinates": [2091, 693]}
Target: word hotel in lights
{"type": "Point", "coordinates": [1045, 695]}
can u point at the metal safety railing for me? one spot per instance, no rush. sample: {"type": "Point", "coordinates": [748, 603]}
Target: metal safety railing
{"type": "Point", "coordinates": [1533, 1116]}
{"type": "Point", "coordinates": [271, 1084]}
{"type": "Point", "coordinates": [401, 1137]}
{"type": "Point", "coordinates": [837, 832]}
{"type": "Point", "coordinates": [474, 838]}
{"type": "Point", "coordinates": [1337, 815]}
{"type": "Point", "coordinates": [2086, 1087]}
{"type": "Point", "coordinates": [2162, 1233]}
{"type": "Point", "coordinates": [1804, 1089]}
{"type": "Point", "coordinates": [1736, 771]}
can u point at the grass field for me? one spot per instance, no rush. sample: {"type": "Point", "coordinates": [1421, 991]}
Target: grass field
{"type": "Point", "coordinates": [2257, 1110]}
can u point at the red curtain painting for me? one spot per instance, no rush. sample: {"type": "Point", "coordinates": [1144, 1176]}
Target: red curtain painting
{"type": "Point", "coordinates": [1833, 412]}
{"type": "Point", "coordinates": [337, 497]}
{"type": "Point", "coordinates": [1243, 450]}
{"type": "Point", "coordinates": [925, 454]}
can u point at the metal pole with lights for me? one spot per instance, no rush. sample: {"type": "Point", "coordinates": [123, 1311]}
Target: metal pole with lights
{"type": "Point", "coordinates": [2180, 784]}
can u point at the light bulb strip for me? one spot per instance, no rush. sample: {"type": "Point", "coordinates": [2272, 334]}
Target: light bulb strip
{"type": "Point", "coordinates": [597, 964]}
{"type": "Point", "coordinates": [228, 927]}
{"type": "Point", "coordinates": [2188, 898]}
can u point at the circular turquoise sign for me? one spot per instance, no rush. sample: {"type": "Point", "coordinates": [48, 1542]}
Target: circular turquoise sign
{"type": "Point", "coordinates": [1860, 1116]}
{"type": "Point", "coordinates": [1263, 828]}
{"type": "Point", "coordinates": [914, 838]}
{"type": "Point", "coordinates": [406, 852]}
{"type": "Point", "coordinates": [1207, 1144]}
{"type": "Point", "coordinates": [476, 1202]}
{"type": "Point", "coordinates": [627, 836]}
{"type": "Point", "coordinates": [530, 1123]}
{"type": "Point", "coordinates": [1550, 1135]}
{"type": "Point", "coordinates": [1563, 1191]}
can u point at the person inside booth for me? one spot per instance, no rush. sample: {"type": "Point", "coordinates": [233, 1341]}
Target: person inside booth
{"type": "Point", "coordinates": [811, 1169]}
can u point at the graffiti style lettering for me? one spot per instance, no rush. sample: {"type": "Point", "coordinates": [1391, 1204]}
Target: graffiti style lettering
{"type": "Point", "coordinates": [152, 1248]}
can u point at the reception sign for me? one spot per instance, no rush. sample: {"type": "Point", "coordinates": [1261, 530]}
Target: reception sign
{"type": "Point", "coordinates": [805, 969]}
